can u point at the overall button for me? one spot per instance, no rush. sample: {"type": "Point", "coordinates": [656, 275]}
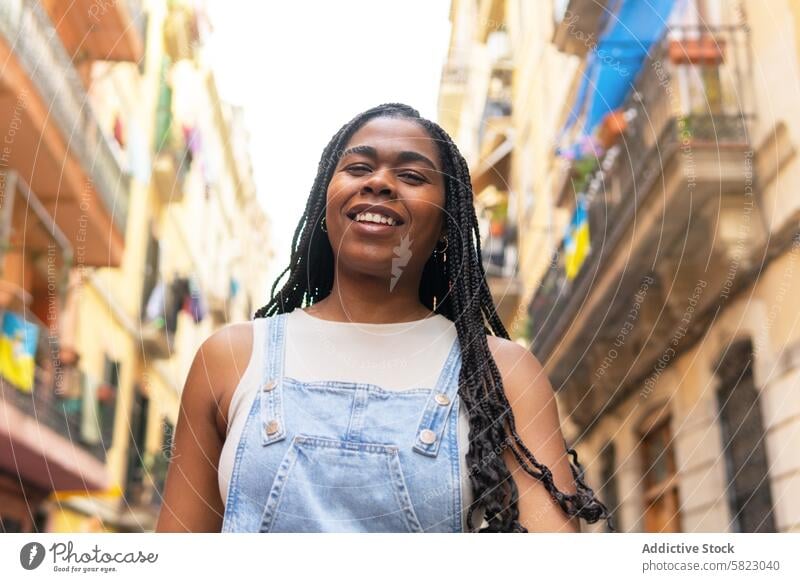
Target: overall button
{"type": "Point", "coordinates": [427, 436]}
{"type": "Point", "coordinates": [442, 399]}
{"type": "Point", "coordinates": [272, 427]}
{"type": "Point", "coordinates": [270, 385]}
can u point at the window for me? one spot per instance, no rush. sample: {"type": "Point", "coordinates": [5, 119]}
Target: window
{"type": "Point", "coordinates": [136, 446]}
{"type": "Point", "coordinates": [151, 269]}
{"type": "Point", "coordinates": [661, 513]}
{"type": "Point", "coordinates": [608, 476]}
{"type": "Point", "coordinates": [748, 491]}
{"type": "Point", "coordinates": [107, 400]}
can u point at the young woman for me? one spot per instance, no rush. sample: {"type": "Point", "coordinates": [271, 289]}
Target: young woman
{"type": "Point", "coordinates": [378, 389]}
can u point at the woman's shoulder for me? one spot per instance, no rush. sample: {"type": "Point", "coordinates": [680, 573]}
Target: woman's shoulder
{"type": "Point", "coordinates": [233, 342]}
{"type": "Point", "coordinates": [224, 358]}
{"type": "Point", "coordinates": [519, 368]}
{"type": "Point", "coordinates": [230, 344]}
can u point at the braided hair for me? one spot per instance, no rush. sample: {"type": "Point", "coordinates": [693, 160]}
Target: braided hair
{"type": "Point", "coordinates": [457, 289]}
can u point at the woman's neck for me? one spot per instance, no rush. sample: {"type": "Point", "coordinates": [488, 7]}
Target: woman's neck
{"type": "Point", "coordinates": [369, 301]}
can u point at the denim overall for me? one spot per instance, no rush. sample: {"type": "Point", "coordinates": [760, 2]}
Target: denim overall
{"type": "Point", "coordinates": [332, 456]}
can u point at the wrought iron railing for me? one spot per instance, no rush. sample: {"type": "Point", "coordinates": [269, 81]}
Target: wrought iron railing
{"type": "Point", "coordinates": [499, 257]}
{"type": "Point", "coordinates": [455, 72]}
{"type": "Point", "coordinates": [676, 100]}
{"type": "Point", "coordinates": [36, 44]}
{"type": "Point", "coordinates": [53, 401]}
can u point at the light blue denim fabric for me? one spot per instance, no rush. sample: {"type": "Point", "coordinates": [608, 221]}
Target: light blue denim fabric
{"type": "Point", "coordinates": [336, 456]}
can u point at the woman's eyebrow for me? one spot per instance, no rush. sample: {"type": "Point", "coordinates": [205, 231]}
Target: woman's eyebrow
{"type": "Point", "coordinates": [402, 157]}
{"type": "Point", "coordinates": [409, 156]}
{"type": "Point", "coordinates": [363, 150]}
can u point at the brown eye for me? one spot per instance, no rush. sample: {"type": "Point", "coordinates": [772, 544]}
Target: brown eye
{"type": "Point", "coordinates": [412, 177]}
{"type": "Point", "coordinates": [358, 169]}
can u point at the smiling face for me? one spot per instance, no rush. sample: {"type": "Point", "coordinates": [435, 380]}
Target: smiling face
{"type": "Point", "coordinates": [387, 191]}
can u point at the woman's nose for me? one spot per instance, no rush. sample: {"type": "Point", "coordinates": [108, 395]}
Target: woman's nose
{"type": "Point", "coordinates": [380, 182]}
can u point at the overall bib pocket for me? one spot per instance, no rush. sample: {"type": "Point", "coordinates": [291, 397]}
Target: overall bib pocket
{"type": "Point", "coordinates": [329, 485]}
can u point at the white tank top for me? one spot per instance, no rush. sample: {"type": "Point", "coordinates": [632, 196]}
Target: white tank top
{"type": "Point", "coordinates": [394, 356]}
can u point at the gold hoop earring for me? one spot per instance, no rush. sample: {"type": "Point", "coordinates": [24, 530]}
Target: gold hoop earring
{"type": "Point", "coordinates": [323, 225]}
{"type": "Point", "coordinates": [437, 251]}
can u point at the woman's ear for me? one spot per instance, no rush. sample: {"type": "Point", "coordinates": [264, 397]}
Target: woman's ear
{"type": "Point", "coordinates": [443, 229]}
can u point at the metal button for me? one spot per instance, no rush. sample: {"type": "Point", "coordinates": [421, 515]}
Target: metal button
{"type": "Point", "coordinates": [272, 427]}
{"type": "Point", "coordinates": [442, 399]}
{"type": "Point", "coordinates": [427, 436]}
{"type": "Point", "coordinates": [270, 385]}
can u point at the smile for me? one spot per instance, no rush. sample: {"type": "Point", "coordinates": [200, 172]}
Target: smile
{"type": "Point", "coordinates": [375, 218]}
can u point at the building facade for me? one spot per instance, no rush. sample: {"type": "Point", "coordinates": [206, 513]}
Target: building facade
{"type": "Point", "coordinates": [128, 208]}
{"type": "Point", "coordinates": [651, 181]}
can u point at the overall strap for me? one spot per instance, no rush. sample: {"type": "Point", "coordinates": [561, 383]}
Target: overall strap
{"type": "Point", "coordinates": [438, 405]}
{"type": "Point", "coordinates": [273, 427]}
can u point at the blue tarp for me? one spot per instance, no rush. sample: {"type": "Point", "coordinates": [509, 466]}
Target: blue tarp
{"type": "Point", "coordinates": [613, 64]}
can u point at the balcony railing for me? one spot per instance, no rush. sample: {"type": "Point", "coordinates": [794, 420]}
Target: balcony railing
{"type": "Point", "coordinates": [455, 73]}
{"type": "Point", "coordinates": [681, 99]}
{"type": "Point", "coordinates": [500, 263]}
{"type": "Point", "coordinates": [36, 44]}
{"type": "Point", "coordinates": [499, 257]}
{"type": "Point", "coordinates": [45, 402]}
{"type": "Point", "coordinates": [553, 289]}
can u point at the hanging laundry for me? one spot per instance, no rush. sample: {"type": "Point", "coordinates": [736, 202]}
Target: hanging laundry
{"type": "Point", "coordinates": [192, 139]}
{"type": "Point", "coordinates": [90, 417]}
{"type": "Point", "coordinates": [576, 241]}
{"type": "Point", "coordinates": [68, 386]}
{"type": "Point", "coordinates": [630, 29]}
{"type": "Point", "coordinates": [139, 162]}
{"type": "Point", "coordinates": [119, 131]}
{"type": "Point", "coordinates": [193, 303]}
{"type": "Point", "coordinates": [155, 303]}
{"type": "Point", "coordinates": [69, 390]}
{"type": "Point", "coordinates": [18, 341]}
{"type": "Point", "coordinates": [178, 290]}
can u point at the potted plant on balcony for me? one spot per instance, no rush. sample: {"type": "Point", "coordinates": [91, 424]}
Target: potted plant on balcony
{"type": "Point", "coordinates": [611, 128]}
{"type": "Point", "coordinates": [582, 173]}
{"type": "Point", "coordinates": [686, 130]}
{"type": "Point", "coordinates": [704, 50]}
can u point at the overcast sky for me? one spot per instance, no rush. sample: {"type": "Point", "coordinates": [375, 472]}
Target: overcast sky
{"type": "Point", "coordinates": [302, 69]}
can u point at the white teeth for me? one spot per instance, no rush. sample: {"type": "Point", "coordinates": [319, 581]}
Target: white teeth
{"type": "Point", "coordinates": [376, 218]}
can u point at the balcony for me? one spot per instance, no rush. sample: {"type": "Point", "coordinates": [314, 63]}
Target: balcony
{"type": "Point", "coordinates": [666, 209]}
{"type": "Point", "coordinates": [41, 433]}
{"type": "Point", "coordinates": [169, 174]}
{"type": "Point", "coordinates": [58, 144]}
{"type": "Point", "coordinates": [173, 157]}
{"type": "Point", "coordinates": [100, 30]}
{"type": "Point", "coordinates": [156, 340]}
{"type": "Point", "coordinates": [490, 185]}
{"type": "Point", "coordinates": [576, 30]}
{"type": "Point", "coordinates": [452, 92]}
{"type": "Point", "coordinates": [500, 263]}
